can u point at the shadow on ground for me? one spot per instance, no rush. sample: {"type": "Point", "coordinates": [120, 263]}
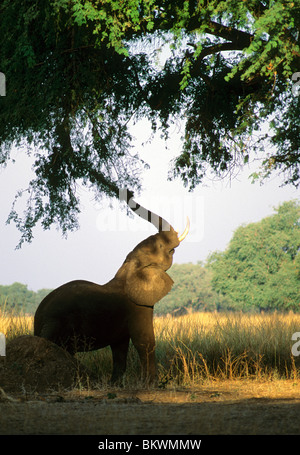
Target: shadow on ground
{"type": "Point", "coordinates": [30, 402]}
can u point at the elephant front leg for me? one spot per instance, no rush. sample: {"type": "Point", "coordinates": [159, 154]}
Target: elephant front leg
{"type": "Point", "coordinates": [146, 353]}
{"type": "Point", "coordinates": [119, 354]}
{"type": "Point", "coordinates": [143, 339]}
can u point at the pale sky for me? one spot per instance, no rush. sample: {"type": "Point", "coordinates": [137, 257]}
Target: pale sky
{"type": "Point", "coordinates": [107, 235]}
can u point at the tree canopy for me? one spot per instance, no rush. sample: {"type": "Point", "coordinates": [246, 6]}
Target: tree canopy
{"type": "Point", "coordinates": [80, 72]}
{"type": "Point", "coordinates": [260, 269]}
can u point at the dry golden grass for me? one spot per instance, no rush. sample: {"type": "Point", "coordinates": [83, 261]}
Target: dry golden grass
{"type": "Point", "coordinates": [228, 345]}
{"type": "Point", "coordinates": [201, 346]}
{"type": "Point", "coordinates": [14, 325]}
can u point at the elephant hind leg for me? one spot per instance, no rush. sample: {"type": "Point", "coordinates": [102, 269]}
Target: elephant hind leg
{"type": "Point", "coordinates": [49, 331]}
{"type": "Point", "coordinates": [52, 331]}
{"type": "Point", "coordinates": [119, 353]}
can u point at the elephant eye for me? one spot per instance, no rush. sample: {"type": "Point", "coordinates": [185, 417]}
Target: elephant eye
{"type": "Point", "coordinates": [172, 251]}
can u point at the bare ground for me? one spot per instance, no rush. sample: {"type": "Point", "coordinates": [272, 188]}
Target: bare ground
{"type": "Point", "coordinates": [227, 407]}
{"type": "Point", "coordinates": [30, 404]}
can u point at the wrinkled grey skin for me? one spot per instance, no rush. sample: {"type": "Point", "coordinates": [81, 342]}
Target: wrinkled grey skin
{"type": "Point", "coordinates": [81, 315]}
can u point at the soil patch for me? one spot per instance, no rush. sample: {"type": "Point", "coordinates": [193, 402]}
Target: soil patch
{"type": "Point", "coordinates": [33, 364]}
{"type": "Point", "coordinates": [222, 408]}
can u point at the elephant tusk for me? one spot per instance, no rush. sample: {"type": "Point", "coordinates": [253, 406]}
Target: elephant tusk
{"type": "Point", "coordinates": [185, 232]}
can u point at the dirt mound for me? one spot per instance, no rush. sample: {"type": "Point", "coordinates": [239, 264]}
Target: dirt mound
{"type": "Point", "coordinates": [37, 365]}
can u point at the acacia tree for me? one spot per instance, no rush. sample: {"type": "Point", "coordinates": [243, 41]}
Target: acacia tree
{"type": "Point", "coordinates": [78, 72]}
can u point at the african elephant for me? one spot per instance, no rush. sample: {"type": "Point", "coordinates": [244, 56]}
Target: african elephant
{"type": "Point", "coordinates": [81, 315]}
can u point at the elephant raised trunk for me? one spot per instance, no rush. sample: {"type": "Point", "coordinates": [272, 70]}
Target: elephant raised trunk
{"type": "Point", "coordinates": [160, 223]}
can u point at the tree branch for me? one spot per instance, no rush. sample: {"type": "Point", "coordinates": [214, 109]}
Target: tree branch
{"type": "Point", "coordinates": [220, 47]}
{"type": "Point", "coordinates": [237, 37]}
{"type": "Point", "coordinates": [240, 38]}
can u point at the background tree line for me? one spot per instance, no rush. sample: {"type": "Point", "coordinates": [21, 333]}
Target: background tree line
{"type": "Point", "coordinates": [18, 298]}
{"type": "Point", "coordinates": [258, 271]}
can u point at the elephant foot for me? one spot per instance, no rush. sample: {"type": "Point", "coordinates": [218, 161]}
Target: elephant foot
{"type": "Point", "coordinates": [149, 381]}
{"type": "Point", "coordinates": [117, 381]}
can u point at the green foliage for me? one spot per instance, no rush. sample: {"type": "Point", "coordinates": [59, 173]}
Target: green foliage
{"type": "Point", "coordinates": [260, 269]}
{"type": "Point", "coordinates": [18, 298]}
{"type": "Point", "coordinates": [79, 72]}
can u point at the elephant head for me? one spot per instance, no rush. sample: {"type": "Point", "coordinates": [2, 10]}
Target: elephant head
{"type": "Point", "coordinates": [144, 269]}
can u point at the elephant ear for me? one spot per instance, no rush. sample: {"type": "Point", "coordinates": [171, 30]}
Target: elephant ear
{"type": "Point", "coordinates": [148, 285]}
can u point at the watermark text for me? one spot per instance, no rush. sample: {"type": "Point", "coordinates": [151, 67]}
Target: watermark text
{"type": "Point", "coordinates": [296, 346]}
{"type": "Point", "coordinates": [296, 86]}
{"type": "Point", "coordinates": [173, 209]}
{"type": "Point", "coordinates": [2, 84]}
{"type": "Point", "coordinates": [2, 345]}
